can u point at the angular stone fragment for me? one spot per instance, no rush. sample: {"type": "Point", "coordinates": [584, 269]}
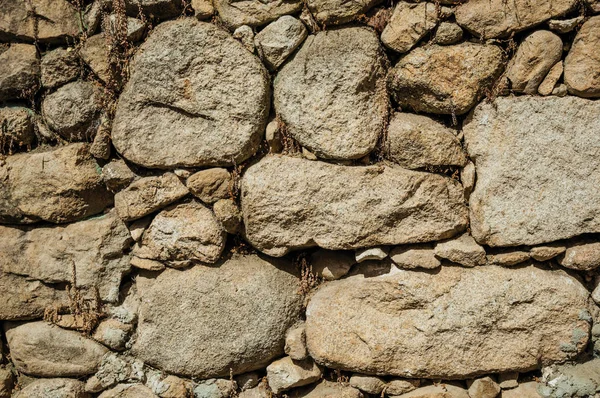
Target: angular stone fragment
{"type": "Point", "coordinates": [41, 349]}
{"type": "Point", "coordinates": [416, 141]}
{"type": "Point", "coordinates": [16, 127]}
{"type": "Point", "coordinates": [279, 39]}
{"type": "Point", "coordinates": [408, 24]}
{"type": "Point", "coordinates": [59, 67]}
{"type": "Point", "coordinates": [499, 18]}
{"type": "Point", "coordinates": [54, 388]}
{"type": "Point", "coordinates": [467, 178]}
{"type": "Point", "coordinates": [229, 215]}
{"type": "Point", "coordinates": [346, 207]}
{"type": "Point", "coordinates": [535, 182]}
{"type": "Point", "coordinates": [295, 343]}
{"type": "Point", "coordinates": [448, 33]}
{"type": "Point", "coordinates": [462, 250]}
{"type": "Point", "coordinates": [448, 325]}
{"type": "Point", "coordinates": [24, 298]}
{"type": "Point", "coordinates": [203, 9]}
{"type": "Point", "coordinates": [551, 79]}
{"type": "Point", "coordinates": [72, 111]}
{"type": "Point", "coordinates": [19, 70]}
{"type": "Point", "coordinates": [546, 252]}
{"type": "Point", "coordinates": [330, 264]}
{"type": "Point", "coordinates": [46, 21]}
{"type": "Point", "coordinates": [333, 12]}
{"type": "Point", "coordinates": [401, 386]}
{"type": "Point", "coordinates": [507, 258]}
{"type": "Point", "coordinates": [565, 25]}
{"type": "Point", "coordinates": [210, 185]}
{"type": "Point", "coordinates": [60, 185]}
{"type": "Point", "coordinates": [128, 391]}
{"type": "Point", "coordinates": [437, 391]}
{"type": "Point", "coordinates": [584, 256]}
{"type": "Point", "coordinates": [433, 79]}
{"type": "Point", "coordinates": [6, 382]}
{"type": "Point", "coordinates": [135, 28]}
{"type": "Point", "coordinates": [415, 256]}
{"type": "Point", "coordinates": [327, 389]}
{"type": "Point", "coordinates": [95, 52]}
{"type": "Point", "coordinates": [183, 234]}
{"type": "Point", "coordinates": [117, 175]}
{"type": "Point", "coordinates": [113, 334]}
{"type": "Point", "coordinates": [95, 247]}
{"type": "Point", "coordinates": [372, 253]}
{"type": "Point", "coordinates": [508, 380]}
{"type": "Point", "coordinates": [211, 110]}
{"type": "Point", "coordinates": [176, 387]}
{"type": "Point", "coordinates": [523, 390]}
{"type": "Point", "coordinates": [254, 12]}
{"type": "Point", "coordinates": [215, 388]}
{"type": "Point", "coordinates": [484, 387]}
{"type": "Point", "coordinates": [245, 34]}
{"type": "Point", "coordinates": [534, 58]}
{"type": "Point", "coordinates": [368, 384]}
{"type": "Point", "coordinates": [285, 374]}
{"type": "Point", "coordinates": [182, 327]}
{"type": "Point", "coordinates": [332, 95]}
{"type": "Point", "coordinates": [261, 391]}
{"type": "Point", "coordinates": [147, 195]}
{"type": "Point", "coordinates": [582, 64]}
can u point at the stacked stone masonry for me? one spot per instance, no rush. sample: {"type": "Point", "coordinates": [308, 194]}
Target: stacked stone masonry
{"type": "Point", "coordinates": [285, 198]}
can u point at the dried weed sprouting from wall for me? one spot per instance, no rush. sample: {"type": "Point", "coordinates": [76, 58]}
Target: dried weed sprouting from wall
{"type": "Point", "coordinates": [288, 143]}
{"type": "Point", "coordinates": [308, 279]}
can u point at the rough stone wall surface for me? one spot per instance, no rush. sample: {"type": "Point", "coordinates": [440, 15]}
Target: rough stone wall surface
{"type": "Point", "coordinates": [320, 199]}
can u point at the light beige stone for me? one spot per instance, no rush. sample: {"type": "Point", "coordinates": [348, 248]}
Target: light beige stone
{"type": "Point", "coordinates": [507, 258]}
{"type": "Point", "coordinates": [415, 256]}
{"type": "Point", "coordinates": [53, 388]}
{"type": "Point", "coordinates": [508, 380]}
{"type": "Point", "coordinates": [468, 176]}
{"type": "Point", "coordinates": [368, 384]}
{"type": "Point", "coordinates": [278, 40]}
{"type": "Point", "coordinates": [582, 64]}
{"type": "Point", "coordinates": [334, 12]}
{"type": "Point", "coordinates": [462, 250]}
{"type": "Point", "coordinates": [253, 12]}
{"type": "Point", "coordinates": [331, 264]}
{"type": "Point", "coordinates": [211, 185]}
{"type": "Point", "coordinates": [128, 391]}
{"type": "Point", "coordinates": [286, 373]}
{"type": "Point", "coordinates": [565, 25]}
{"type": "Point", "coordinates": [229, 215]}
{"type": "Point", "coordinates": [551, 79]}
{"type": "Point", "coordinates": [295, 343]}
{"type": "Point", "coordinates": [327, 389]}
{"type": "Point", "coordinates": [371, 253]}
{"type": "Point", "coordinates": [546, 252]}
{"type": "Point", "coordinates": [484, 387]}
{"type": "Point", "coordinates": [203, 9]}
{"type": "Point", "coordinates": [408, 24]}
{"type": "Point", "coordinates": [6, 381]}
{"type": "Point", "coordinates": [523, 390]}
{"type": "Point", "coordinates": [584, 256]}
{"type": "Point", "coordinates": [436, 391]}
{"type": "Point", "coordinates": [113, 334]}
{"type": "Point", "coordinates": [402, 386]}
{"type": "Point", "coordinates": [448, 33]}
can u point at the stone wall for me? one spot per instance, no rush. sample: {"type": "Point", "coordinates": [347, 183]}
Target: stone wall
{"type": "Point", "coordinates": [288, 198]}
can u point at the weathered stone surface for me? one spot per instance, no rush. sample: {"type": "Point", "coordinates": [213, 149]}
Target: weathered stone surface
{"type": "Point", "coordinates": [584, 256]}
{"type": "Point", "coordinates": [117, 175]}
{"type": "Point", "coordinates": [371, 253]}
{"type": "Point", "coordinates": [332, 95]}
{"type": "Point", "coordinates": [331, 264]}
{"type": "Point", "coordinates": [16, 127]}
{"type": "Point", "coordinates": [258, 392]}
{"type": "Point", "coordinates": [534, 58]}
{"type": "Point", "coordinates": [229, 215]}
{"type": "Point", "coordinates": [508, 380]}
{"type": "Point", "coordinates": [546, 252]}
{"type": "Point", "coordinates": [245, 34]}
{"type": "Point", "coordinates": [113, 334]}
{"type": "Point", "coordinates": [203, 9]}
{"type": "Point", "coordinates": [549, 82]}
{"type": "Point", "coordinates": [72, 111]}
{"type": "Point", "coordinates": [462, 250]}
{"type": "Point", "coordinates": [59, 67]}
{"type": "Point", "coordinates": [60, 185]}
{"type": "Point", "coordinates": [484, 387]}
{"type": "Point", "coordinates": [285, 374]}
{"type": "Point", "coordinates": [408, 24]}
{"type": "Point", "coordinates": [210, 185]}
{"type": "Point", "coordinates": [402, 386]}
{"type": "Point", "coordinates": [183, 234]}
{"type": "Point", "coordinates": [176, 387]}
{"type": "Point", "coordinates": [416, 141]}
{"type": "Point", "coordinates": [451, 324]}
{"type": "Point", "coordinates": [572, 380]}
{"type": "Point", "coordinates": [523, 390]}
{"type": "Point", "coordinates": [368, 384]}
{"type": "Point", "coordinates": [565, 25]}
{"type": "Point", "coordinates": [48, 254]}
{"type": "Point", "coordinates": [135, 28]}
{"type": "Point", "coordinates": [448, 33]}
{"type": "Point", "coordinates": [182, 328]}
{"type": "Point", "coordinates": [54, 388]}
{"type": "Point", "coordinates": [254, 12]}
{"type": "Point", "coordinates": [128, 391]}
{"type": "Point", "coordinates": [279, 39]}
{"type": "Point", "coordinates": [212, 110]}
{"type": "Point", "coordinates": [19, 70]}
{"type": "Point", "coordinates": [499, 18]}
{"type": "Point", "coordinates": [468, 176]}
{"type": "Point", "coordinates": [437, 391]}
{"type": "Point", "coordinates": [24, 298]}
{"type": "Point", "coordinates": [433, 79]}
{"type": "Point", "coordinates": [295, 343]}
{"type": "Point", "coordinates": [41, 20]}
{"type": "Point", "coordinates": [507, 258]}
{"type": "Point", "coordinates": [415, 256]}
{"type": "Point", "coordinates": [95, 52]}
{"type": "Point", "coordinates": [333, 12]}
{"type": "Point", "coordinates": [162, 9]}
{"type": "Point", "coordinates": [248, 380]}
{"type": "Point", "coordinates": [521, 142]}
{"type": "Point", "coordinates": [582, 64]}
{"type": "Point", "coordinates": [327, 389]}
{"type": "Point", "coordinates": [337, 205]}
{"type": "Point", "coordinates": [147, 195]}
{"type": "Point", "coordinates": [6, 382]}
{"type": "Point", "coordinates": [215, 388]}
{"type": "Point", "coordinates": [41, 349]}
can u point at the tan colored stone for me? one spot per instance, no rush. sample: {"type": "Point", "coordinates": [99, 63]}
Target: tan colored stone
{"type": "Point", "coordinates": [19, 70]}
{"type": "Point", "coordinates": [499, 18]}
{"type": "Point", "coordinates": [401, 386]}
{"type": "Point", "coordinates": [203, 9]}
{"type": "Point", "coordinates": [524, 390]}
{"type": "Point", "coordinates": [177, 387]}
{"type": "Point", "coordinates": [368, 384]}
{"type": "Point", "coordinates": [16, 128]}
{"type": "Point", "coordinates": [95, 53]}
{"type": "Point", "coordinates": [113, 334]}
{"type": "Point", "coordinates": [546, 252]}
{"type": "Point", "coordinates": [507, 258]}
{"type": "Point", "coordinates": [60, 185]}
{"type": "Point", "coordinates": [484, 387]}
{"type": "Point", "coordinates": [584, 256]}
{"type": "Point", "coordinates": [331, 264]}
{"type": "Point", "coordinates": [436, 391]}
{"type": "Point", "coordinates": [582, 64]}
{"type": "Point", "coordinates": [432, 79]}
{"type": "Point", "coordinates": [211, 185]}
{"type": "Point", "coordinates": [295, 343]}
{"type": "Point", "coordinates": [508, 380]}
{"type": "Point", "coordinates": [371, 253]}
{"type": "Point", "coordinates": [565, 25]}
{"type": "Point", "coordinates": [59, 66]}
{"type": "Point", "coordinates": [41, 349]}
{"type": "Point", "coordinates": [416, 141]}
{"type": "Point", "coordinates": [327, 389]}
{"type": "Point", "coordinates": [415, 256]}
{"type": "Point", "coordinates": [468, 176]}
{"type": "Point", "coordinates": [333, 12]}
{"type": "Point", "coordinates": [278, 40]}
{"type": "Point", "coordinates": [24, 298]}
{"type": "Point", "coordinates": [462, 250]}
{"type": "Point", "coordinates": [337, 205]}
{"type": "Point", "coordinates": [128, 391]}
{"type": "Point", "coordinates": [408, 24]}
{"type": "Point", "coordinates": [117, 175]}
{"type": "Point", "coordinates": [147, 195]}
{"type": "Point", "coordinates": [551, 79]}
{"type": "Point", "coordinates": [6, 381]}
{"type": "Point", "coordinates": [286, 373]}
{"type": "Point", "coordinates": [253, 12]}
{"type": "Point", "coordinates": [448, 33]}
{"type": "Point", "coordinates": [53, 388]}
{"type": "Point", "coordinates": [229, 215]}
{"type": "Point", "coordinates": [181, 235]}
{"type": "Point", "coordinates": [147, 264]}
{"type": "Point", "coordinates": [534, 58]}
{"type": "Point", "coordinates": [449, 325]}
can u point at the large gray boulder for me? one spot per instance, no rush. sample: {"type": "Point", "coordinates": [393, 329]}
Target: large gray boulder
{"type": "Point", "coordinates": [19, 71]}
{"type": "Point", "coordinates": [95, 247]}
{"type": "Point", "coordinates": [582, 64]}
{"type": "Point", "coordinates": [41, 20]}
{"type": "Point", "coordinates": [500, 18]}
{"type": "Point", "coordinates": [42, 349]}
{"type": "Point", "coordinates": [346, 207]}
{"type": "Point", "coordinates": [332, 95]}
{"type": "Point", "coordinates": [60, 185]}
{"type": "Point", "coordinates": [206, 321]}
{"type": "Point", "coordinates": [538, 169]}
{"type": "Point", "coordinates": [434, 79]}
{"type": "Point", "coordinates": [455, 324]}
{"type": "Point", "coordinates": [196, 97]}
